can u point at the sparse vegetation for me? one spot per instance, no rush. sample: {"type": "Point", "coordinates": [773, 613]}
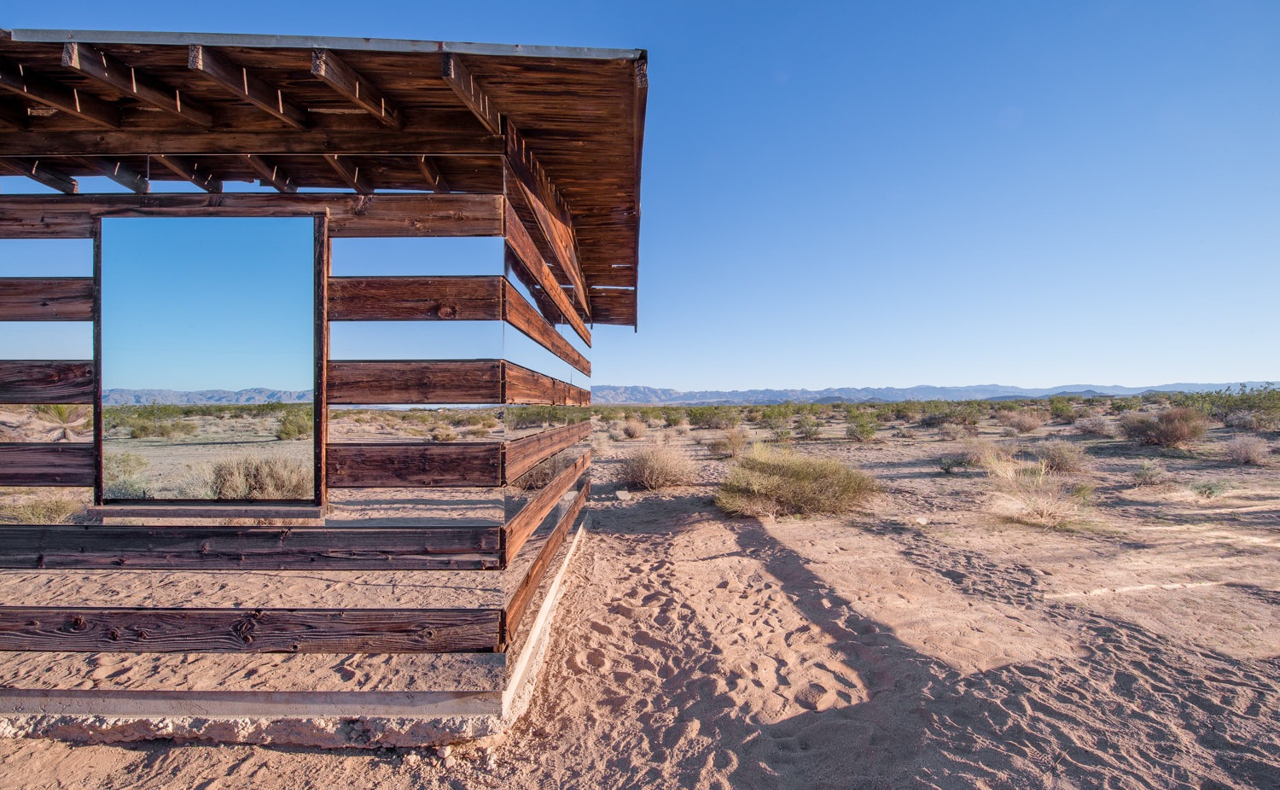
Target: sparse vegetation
{"type": "Point", "coordinates": [733, 444]}
{"type": "Point", "coordinates": [1248, 451]}
{"type": "Point", "coordinates": [659, 467]}
{"type": "Point", "coordinates": [260, 478]}
{"type": "Point", "coordinates": [1040, 498]}
{"type": "Point", "coordinates": [42, 510]}
{"type": "Point", "coordinates": [807, 427]}
{"type": "Point", "coordinates": [296, 424]}
{"type": "Point", "coordinates": [861, 426]}
{"type": "Point", "coordinates": [1173, 427]}
{"type": "Point", "coordinates": [770, 482]}
{"type": "Point", "coordinates": [1059, 455]}
{"type": "Point", "coordinates": [72, 421]}
{"type": "Point", "coordinates": [1095, 426]}
{"type": "Point", "coordinates": [1149, 473]}
{"type": "Point", "coordinates": [633, 429]}
{"type": "Point", "coordinates": [1022, 421]}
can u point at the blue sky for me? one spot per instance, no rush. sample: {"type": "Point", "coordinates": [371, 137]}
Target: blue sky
{"type": "Point", "coordinates": [889, 194]}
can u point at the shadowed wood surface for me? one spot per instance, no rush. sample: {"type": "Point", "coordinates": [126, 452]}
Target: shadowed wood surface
{"type": "Point", "coordinates": [524, 454]}
{"type": "Point", "coordinates": [383, 465]}
{"type": "Point", "coordinates": [86, 629]}
{"type": "Point", "coordinates": [41, 381]}
{"type": "Point", "coordinates": [231, 548]}
{"type": "Point", "coordinates": [526, 318]}
{"type": "Point", "coordinates": [530, 387]}
{"type": "Point", "coordinates": [415, 382]}
{"type": "Point", "coordinates": [524, 523]}
{"type": "Point", "coordinates": [415, 298]}
{"type": "Point", "coordinates": [519, 601]}
{"type": "Point", "coordinates": [46, 298]}
{"type": "Point", "coordinates": [529, 258]}
{"type": "Point", "coordinates": [30, 464]}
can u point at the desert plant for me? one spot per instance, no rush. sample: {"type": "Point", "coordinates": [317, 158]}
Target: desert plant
{"type": "Point", "coordinates": [1248, 451]}
{"type": "Point", "coordinates": [1149, 473]}
{"type": "Point", "coordinates": [42, 510]}
{"type": "Point", "coordinates": [719, 417]}
{"type": "Point", "coordinates": [71, 420]}
{"type": "Point", "coordinates": [1241, 420]}
{"type": "Point", "coordinates": [1022, 421]}
{"type": "Point", "coordinates": [861, 426]}
{"type": "Point", "coordinates": [260, 478]}
{"type": "Point", "coordinates": [443, 433]}
{"type": "Point", "coordinates": [733, 444]}
{"type": "Point", "coordinates": [950, 463]}
{"type": "Point", "coordinates": [1059, 455]}
{"type": "Point", "coordinates": [633, 429]}
{"type": "Point", "coordinates": [1040, 498]}
{"type": "Point", "coordinates": [118, 466]}
{"type": "Point", "coordinates": [1211, 489]}
{"type": "Point", "coordinates": [1173, 427]}
{"type": "Point", "coordinates": [807, 427]}
{"type": "Point", "coordinates": [769, 482]}
{"type": "Point", "coordinates": [981, 452]}
{"type": "Point", "coordinates": [657, 467]}
{"type": "Point", "coordinates": [295, 424]}
{"type": "Point", "coordinates": [953, 432]}
{"type": "Point", "coordinates": [164, 429]}
{"type": "Point", "coordinates": [1095, 426]}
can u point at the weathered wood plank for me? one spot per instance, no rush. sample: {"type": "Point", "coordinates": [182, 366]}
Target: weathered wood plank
{"type": "Point", "coordinates": [459, 78]}
{"type": "Point", "coordinates": [46, 298]}
{"type": "Point", "coordinates": [108, 70]}
{"type": "Point", "coordinates": [140, 142]}
{"type": "Point", "coordinates": [87, 629]}
{"type": "Point", "coordinates": [351, 216]}
{"type": "Point", "coordinates": [14, 115]}
{"type": "Point", "coordinates": [517, 530]}
{"type": "Point", "coordinates": [527, 255]}
{"type": "Point", "coordinates": [524, 454]}
{"type": "Point", "coordinates": [245, 84]}
{"type": "Point", "coordinates": [40, 173]}
{"type": "Point", "coordinates": [323, 251]}
{"type": "Point", "coordinates": [15, 79]}
{"type": "Point", "coordinates": [272, 174]}
{"type": "Point", "coordinates": [415, 298]}
{"type": "Point", "coordinates": [415, 382]}
{"type": "Point", "coordinates": [232, 548]}
{"type": "Point", "coordinates": [382, 465]}
{"type": "Point", "coordinates": [349, 172]}
{"type": "Point", "coordinates": [120, 173]}
{"type": "Point", "coordinates": [31, 464]}
{"type": "Point", "coordinates": [191, 170]}
{"type": "Point", "coordinates": [427, 166]}
{"type": "Point", "coordinates": [517, 311]}
{"type": "Point", "coordinates": [527, 386]}
{"type": "Point", "coordinates": [46, 381]}
{"type": "Point", "coordinates": [206, 508]}
{"type": "Point", "coordinates": [519, 602]}
{"type": "Point", "coordinates": [334, 72]}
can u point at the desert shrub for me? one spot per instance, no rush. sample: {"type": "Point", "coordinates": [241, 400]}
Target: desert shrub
{"type": "Point", "coordinates": [1060, 456]}
{"type": "Point", "coordinates": [673, 418]}
{"type": "Point", "coordinates": [657, 467]}
{"type": "Point", "coordinates": [904, 433]}
{"type": "Point", "coordinates": [1170, 428]}
{"type": "Point", "coordinates": [936, 413]}
{"type": "Point", "coordinates": [125, 488]}
{"type": "Point", "coordinates": [164, 429]}
{"type": "Point", "coordinates": [1248, 451]}
{"type": "Point", "coordinates": [1149, 473]}
{"type": "Point", "coordinates": [118, 466]}
{"type": "Point", "coordinates": [782, 434]}
{"type": "Point", "coordinates": [42, 510]}
{"type": "Point", "coordinates": [768, 482]}
{"type": "Point", "coordinates": [952, 432]}
{"type": "Point", "coordinates": [719, 417]}
{"type": "Point", "coordinates": [1022, 421]}
{"type": "Point", "coordinates": [295, 424]}
{"type": "Point", "coordinates": [906, 410]}
{"type": "Point", "coordinates": [861, 426]}
{"type": "Point", "coordinates": [71, 420]}
{"type": "Point", "coordinates": [807, 427]}
{"type": "Point", "coordinates": [443, 433]}
{"type": "Point", "coordinates": [733, 444]}
{"type": "Point", "coordinates": [260, 478]}
{"type": "Point", "coordinates": [633, 429]}
{"type": "Point", "coordinates": [775, 417]}
{"type": "Point", "coordinates": [1039, 497]}
{"type": "Point", "coordinates": [1211, 489]}
{"type": "Point", "coordinates": [1241, 420]}
{"type": "Point", "coordinates": [978, 452]}
{"type": "Point", "coordinates": [1095, 426]}
{"type": "Point", "coordinates": [1062, 409]}
{"type": "Point", "coordinates": [950, 463]}
{"type": "Point", "coordinates": [477, 432]}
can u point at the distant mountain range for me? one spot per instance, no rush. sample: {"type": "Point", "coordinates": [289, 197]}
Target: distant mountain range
{"type": "Point", "coordinates": [125, 397]}
{"type": "Point", "coordinates": [609, 394]}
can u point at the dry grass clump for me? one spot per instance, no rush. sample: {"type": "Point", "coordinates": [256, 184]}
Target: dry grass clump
{"type": "Point", "coordinates": [733, 444]}
{"type": "Point", "coordinates": [1060, 456]}
{"type": "Point", "coordinates": [42, 510]}
{"type": "Point", "coordinates": [768, 482]}
{"type": "Point", "coordinates": [1248, 451]}
{"type": "Point", "coordinates": [260, 478]}
{"type": "Point", "coordinates": [1040, 498]}
{"type": "Point", "coordinates": [1096, 426]}
{"type": "Point", "coordinates": [953, 432]}
{"type": "Point", "coordinates": [1242, 420]}
{"type": "Point", "coordinates": [633, 429]}
{"type": "Point", "coordinates": [295, 424]}
{"type": "Point", "coordinates": [1022, 421]}
{"type": "Point", "coordinates": [982, 452]}
{"type": "Point", "coordinates": [163, 429]}
{"type": "Point", "coordinates": [657, 467]}
{"type": "Point", "coordinates": [1149, 473]}
{"type": "Point", "coordinates": [1170, 428]}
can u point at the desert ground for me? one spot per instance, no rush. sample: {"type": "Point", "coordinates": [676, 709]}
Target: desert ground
{"type": "Point", "coordinates": [1114, 623]}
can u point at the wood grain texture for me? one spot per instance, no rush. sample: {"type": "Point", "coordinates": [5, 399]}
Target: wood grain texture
{"type": "Point", "coordinates": [530, 259]}
{"type": "Point", "coordinates": [40, 173]}
{"type": "Point", "coordinates": [315, 142]}
{"type": "Point", "coordinates": [523, 524]}
{"type": "Point", "coordinates": [31, 464]}
{"type": "Point", "coordinates": [415, 382]}
{"type": "Point", "coordinates": [415, 298]}
{"type": "Point", "coordinates": [94, 630]}
{"type": "Point", "coordinates": [39, 381]}
{"type": "Point", "coordinates": [524, 454]}
{"type": "Point", "coordinates": [334, 72]}
{"type": "Point", "coordinates": [75, 102]}
{"type": "Point", "coordinates": [519, 601]}
{"type": "Point", "coordinates": [245, 84]}
{"type": "Point", "coordinates": [46, 298]}
{"type": "Point", "coordinates": [458, 77]}
{"type": "Point", "coordinates": [98, 66]}
{"type": "Point", "coordinates": [323, 251]}
{"type": "Point", "coordinates": [190, 170]}
{"type": "Point", "coordinates": [444, 465]}
{"type": "Point", "coordinates": [230, 548]}
{"type": "Point", "coordinates": [527, 319]}
{"type": "Point", "coordinates": [524, 386]}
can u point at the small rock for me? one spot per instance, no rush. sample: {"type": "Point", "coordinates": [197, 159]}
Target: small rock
{"type": "Point", "coordinates": [412, 759]}
{"type": "Point", "coordinates": [922, 521]}
{"type": "Point", "coordinates": [450, 762]}
{"type": "Point", "coordinates": [444, 751]}
{"type": "Point", "coordinates": [491, 763]}
{"type": "Point", "coordinates": [624, 495]}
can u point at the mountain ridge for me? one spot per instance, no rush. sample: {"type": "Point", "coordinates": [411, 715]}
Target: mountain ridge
{"type": "Point", "coordinates": [143, 397]}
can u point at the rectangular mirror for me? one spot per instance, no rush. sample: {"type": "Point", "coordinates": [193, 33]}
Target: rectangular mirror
{"type": "Point", "coordinates": [208, 359]}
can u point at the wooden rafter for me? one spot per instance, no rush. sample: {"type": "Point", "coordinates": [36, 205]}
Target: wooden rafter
{"type": "Point", "coordinates": [459, 78]}
{"type": "Point", "coordinates": [330, 69]}
{"type": "Point", "coordinates": [379, 142]}
{"type": "Point", "coordinates": [245, 85]}
{"type": "Point", "coordinates": [432, 174]}
{"type": "Point", "coordinates": [270, 173]}
{"type": "Point", "coordinates": [349, 172]}
{"type": "Point", "coordinates": [40, 173]}
{"type": "Point", "coordinates": [191, 170]}
{"type": "Point", "coordinates": [13, 115]}
{"type": "Point", "coordinates": [120, 173]}
{"type": "Point", "coordinates": [531, 260]}
{"type": "Point", "coordinates": [101, 67]}
{"type": "Point", "coordinates": [15, 79]}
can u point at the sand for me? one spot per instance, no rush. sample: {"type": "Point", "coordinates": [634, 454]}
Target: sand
{"type": "Point", "coordinates": [926, 643]}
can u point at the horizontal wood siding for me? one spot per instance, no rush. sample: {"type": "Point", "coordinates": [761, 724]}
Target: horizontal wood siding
{"type": "Point", "coordinates": [415, 382]}
{"type": "Point", "coordinates": [525, 317]}
{"type": "Point", "coordinates": [31, 464]}
{"type": "Point", "coordinates": [520, 599]}
{"type": "Point", "coordinates": [378, 465]}
{"type": "Point", "coordinates": [524, 454]}
{"type": "Point", "coordinates": [529, 258]}
{"type": "Point", "coordinates": [46, 298]}
{"type": "Point", "coordinates": [93, 630]}
{"type": "Point", "coordinates": [525, 523]}
{"type": "Point", "coordinates": [229, 548]}
{"type": "Point", "coordinates": [415, 298]}
{"type": "Point", "coordinates": [527, 386]}
{"type": "Point", "coordinates": [40, 381]}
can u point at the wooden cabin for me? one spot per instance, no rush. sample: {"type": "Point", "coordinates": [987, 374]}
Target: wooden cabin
{"type": "Point", "coordinates": [313, 625]}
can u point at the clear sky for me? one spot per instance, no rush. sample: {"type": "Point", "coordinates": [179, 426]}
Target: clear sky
{"type": "Point", "coordinates": [896, 193]}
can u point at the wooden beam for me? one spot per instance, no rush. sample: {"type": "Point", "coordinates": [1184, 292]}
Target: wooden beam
{"type": "Point", "coordinates": [15, 79]}
{"type": "Point", "coordinates": [349, 172]}
{"type": "Point", "coordinates": [458, 77]}
{"type": "Point", "coordinates": [524, 454]}
{"type": "Point", "coordinates": [415, 382]}
{"type": "Point", "coordinates": [270, 173]}
{"type": "Point", "coordinates": [427, 166]}
{"type": "Point", "coordinates": [137, 630]}
{"type": "Point", "coordinates": [107, 70]}
{"type": "Point", "coordinates": [316, 142]}
{"type": "Point", "coordinates": [38, 381]}
{"type": "Point", "coordinates": [191, 170]}
{"type": "Point", "coordinates": [223, 548]}
{"type": "Point", "coordinates": [531, 260]}
{"type": "Point", "coordinates": [122, 174]}
{"type": "Point", "coordinates": [14, 115]}
{"type": "Point", "coordinates": [517, 312]}
{"type": "Point", "coordinates": [518, 530]}
{"type": "Point", "coordinates": [41, 173]}
{"type": "Point", "coordinates": [34, 464]}
{"type": "Point", "coordinates": [520, 599]}
{"type": "Point", "coordinates": [331, 70]}
{"type": "Point", "coordinates": [46, 299]}
{"type": "Point", "coordinates": [441, 465]}
{"type": "Point", "coordinates": [245, 85]}
{"type": "Point", "coordinates": [415, 298]}
{"type": "Point", "coordinates": [522, 385]}
{"type": "Point", "coordinates": [557, 233]}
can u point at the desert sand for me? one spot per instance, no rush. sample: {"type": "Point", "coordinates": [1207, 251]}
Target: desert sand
{"type": "Point", "coordinates": [929, 641]}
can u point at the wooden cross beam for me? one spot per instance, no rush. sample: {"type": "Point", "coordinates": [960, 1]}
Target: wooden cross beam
{"type": "Point", "coordinates": [13, 115]}
{"type": "Point", "coordinates": [349, 172]}
{"type": "Point", "coordinates": [245, 85]}
{"type": "Point", "coordinates": [432, 174]}
{"type": "Point", "coordinates": [271, 174]}
{"type": "Point", "coordinates": [40, 173]}
{"type": "Point", "coordinates": [103, 68]}
{"type": "Point", "coordinates": [459, 78]}
{"type": "Point", "coordinates": [15, 79]}
{"type": "Point", "coordinates": [330, 69]}
{"type": "Point", "coordinates": [120, 173]}
{"type": "Point", "coordinates": [191, 170]}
